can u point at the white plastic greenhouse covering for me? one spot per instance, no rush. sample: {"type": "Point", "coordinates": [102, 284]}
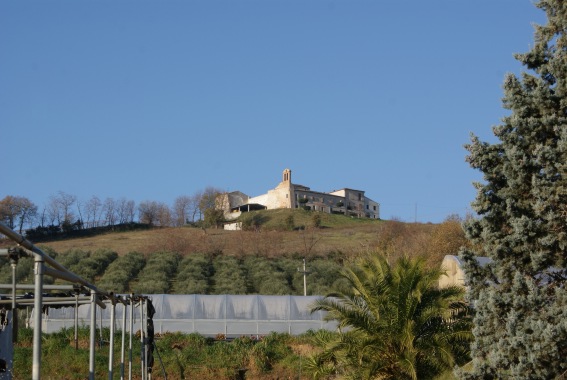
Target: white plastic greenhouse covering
{"type": "Point", "coordinates": [210, 315]}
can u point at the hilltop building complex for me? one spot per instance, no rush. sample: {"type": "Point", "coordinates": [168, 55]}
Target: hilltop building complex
{"type": "Point", "coordinates": [289, 195]}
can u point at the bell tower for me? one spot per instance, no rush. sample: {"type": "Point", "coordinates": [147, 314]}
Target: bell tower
{"type": "Point", "coordinates": [286, 176]}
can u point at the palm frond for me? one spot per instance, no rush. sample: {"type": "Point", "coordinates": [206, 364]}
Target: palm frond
{"type": "Point", "coordinates": [395, 323]}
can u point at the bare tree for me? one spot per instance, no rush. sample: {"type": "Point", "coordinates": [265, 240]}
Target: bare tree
{"type": "Point", "coordinates": [66, 201]}
{"type": "Point", "coordinates": [131, 211]}
{"type": "Point", "coordinates": [59, 207]}
{"type": "Point", "coordinates": [125, 210]}
{"type": "Point", "coordinates": [164, 215]}
{"type": "Point", "coordinates": [128, 210]}
{"type": "Point", "coordinates": [49, 214]}
{"type": "Point", "coordinates": [93, 208]}
{"type": "Point", "coordinates": [147, 211]}
{"type": "Point", "coordinates": [42, 219]}
{"type": "Point", "coordinates": [154, 213]}
{"type": "Point", "coordinates": [109, 211]}
{"type": "Point", "coordinates": [310, 238]}
{"type": "Point", "coordinates": [181, 208]}
{"type": "Point", "coordinates": [80, 206]}
{"type": "Point", "coordinates": [53, 212]}
{"type": "Point", "coordinates": [194, 209]}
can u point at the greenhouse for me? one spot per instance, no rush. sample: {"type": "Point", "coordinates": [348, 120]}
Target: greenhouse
{"type": "Point", "coordinates": [211, 315]}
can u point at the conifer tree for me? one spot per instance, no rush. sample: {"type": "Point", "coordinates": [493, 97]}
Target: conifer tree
{"type": "Point", "coordinates": [520, 298]}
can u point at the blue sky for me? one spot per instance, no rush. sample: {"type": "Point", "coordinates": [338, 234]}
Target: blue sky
{"type": "Point", "coordinates": [150, 100]}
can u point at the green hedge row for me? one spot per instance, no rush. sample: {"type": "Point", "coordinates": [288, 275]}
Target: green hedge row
{"type": "Point", "coordinates": [167, 272]}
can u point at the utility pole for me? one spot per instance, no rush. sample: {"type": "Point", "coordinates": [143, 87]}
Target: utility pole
{"type": "Point", "coordinates": [304, 271]}
{"type": "Point", "coordinates": [415, 213]}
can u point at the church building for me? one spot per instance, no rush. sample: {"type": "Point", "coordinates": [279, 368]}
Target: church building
{"type": "Point", "coordinates": [289, 195]}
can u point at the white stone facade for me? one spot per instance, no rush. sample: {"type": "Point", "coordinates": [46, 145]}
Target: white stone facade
{"type": "Point", "coordinates": [453, 272]}
{"type": "Point", "coordinates": [289, 195]}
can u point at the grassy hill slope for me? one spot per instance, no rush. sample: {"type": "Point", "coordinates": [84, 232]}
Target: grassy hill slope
{"type": "Point", "coordinates": [337, 233]}
{"type": "Point", "coordinates": [215, 261]}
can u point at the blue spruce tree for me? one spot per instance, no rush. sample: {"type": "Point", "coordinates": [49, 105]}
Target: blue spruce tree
{"type": "Point", "coordinates": [520, 298]}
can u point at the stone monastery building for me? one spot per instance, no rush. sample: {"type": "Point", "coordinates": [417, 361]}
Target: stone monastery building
{"type": "Point", "coordinates": [289, 195]}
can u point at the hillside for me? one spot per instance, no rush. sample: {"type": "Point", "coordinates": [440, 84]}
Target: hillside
{"type": "Point", "coordinates": [215, 261]}
{"type": "Point", "coordinates": [337, 233]}
{"type": "Point", "coordinates": [272, 237]}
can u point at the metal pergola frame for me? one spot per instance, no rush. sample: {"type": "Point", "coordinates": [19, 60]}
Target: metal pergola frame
{"type": "Point", "coordinates": [46, 265]}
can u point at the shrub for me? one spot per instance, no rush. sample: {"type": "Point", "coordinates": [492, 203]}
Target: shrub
{"type": "Point", "coordinates": [121, 271]}
{"type": "Point", "coordinates": [193, 275]}
{"type": "Point", "coordinates": [93, 265]}
{"type": "Point", "coordinates": [72, 256]}
{"type": "Point", "coordinates": [24, 271]}
{"type": "Point", "coordinates": [266, 277]}
{"type": "Point", "coordinates": [229, 276]}
{"type": "Point", "coordinates": [289, 222]}
{"type": "Point", "coordinates": [252, 221]}
{"type": "Point", "coordinates": [271, 349]}
{"type": "Point", "coordinates": [156, 275]}
{"type": "Point", "coordinates": [316, 220]}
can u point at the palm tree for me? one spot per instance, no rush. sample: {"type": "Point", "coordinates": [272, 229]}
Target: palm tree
{"type": "Point", "coordinates": [394, 324]}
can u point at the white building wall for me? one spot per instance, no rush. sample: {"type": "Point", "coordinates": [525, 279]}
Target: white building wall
{"type": "Point", "coordinates": [286, 193]}
{"type": "Point", "coordinates": [236, 226]}
{"type": "Point", "coordinates": [232, 215]}
{"type": "Point", "coordinates": [274, 199]}
{"type": "Point", "coordinates": [280, 198]}
{"type": "Point", "coordinates": [260, 199]}
{"type": "Point", "coordinates": [454, 274]}
{"type": "Point", "coordinates": [340, 193]}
